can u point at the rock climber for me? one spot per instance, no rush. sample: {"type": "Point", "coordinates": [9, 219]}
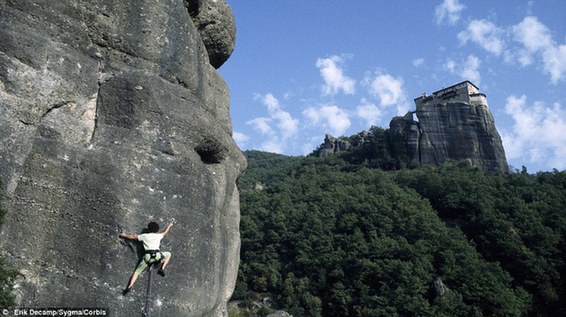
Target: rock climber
{"type": "Point", "coordinates": [151, 242]}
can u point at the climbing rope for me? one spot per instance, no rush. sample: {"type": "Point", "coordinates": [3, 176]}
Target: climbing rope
{"type": "Point", "coordinates": [147, 308]}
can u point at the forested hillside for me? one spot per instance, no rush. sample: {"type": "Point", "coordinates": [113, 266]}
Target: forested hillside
{"type": "Point", "coordinates": [330, 237]}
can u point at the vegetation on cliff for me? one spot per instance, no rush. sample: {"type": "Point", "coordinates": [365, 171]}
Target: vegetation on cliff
{"type": "Point", "coordinates": [7, 273]}
{"type": "Point", "coordinates": [332, 237]}
{"type": "Point", "coordinates": [7, 276]}
{"type": "Point", "coordinates": [376, 148]}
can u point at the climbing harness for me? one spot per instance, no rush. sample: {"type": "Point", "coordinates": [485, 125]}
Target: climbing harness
{"type": "Point", "coordinates": [153, 257]}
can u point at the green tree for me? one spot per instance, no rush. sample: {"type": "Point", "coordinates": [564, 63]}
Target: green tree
{"type": "Point", "coordinates": [326, 236]}
{"type": "Point", "coordinates": [514, 219]}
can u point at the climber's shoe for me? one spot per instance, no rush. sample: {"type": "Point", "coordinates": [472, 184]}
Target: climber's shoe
{"type": "Point", "coordinates": [161, 272]}
{"type": "Point", "coordinates": [126, 291]}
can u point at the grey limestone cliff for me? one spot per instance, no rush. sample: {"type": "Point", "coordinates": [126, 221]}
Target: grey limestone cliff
{"type": "Point", "coordinates": [454, 123]}
{"type": "Point", "coordinates": [332, 145]}
{"type": "Point", "coordinates": [112, 114]}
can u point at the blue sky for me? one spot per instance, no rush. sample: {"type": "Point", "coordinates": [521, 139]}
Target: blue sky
{"type": "Point", "coordinates": [304, 68]}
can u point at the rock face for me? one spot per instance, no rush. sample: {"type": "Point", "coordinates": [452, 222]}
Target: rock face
{"type": "Point", "coordinates": [215, 22]}
{"type": "Point", "coordinates": [453, 124]}
{"type": "Point", "coordinates": [112, 115]}
{"type": "Point", "coordinates": [333, 145]}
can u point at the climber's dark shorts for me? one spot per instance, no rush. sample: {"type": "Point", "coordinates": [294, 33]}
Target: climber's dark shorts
{"type": "Point", "coordinates": [144, 263]}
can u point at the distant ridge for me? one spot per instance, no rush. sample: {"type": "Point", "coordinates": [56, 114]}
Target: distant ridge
{"type": "Point", "coordinates": [453, 123]}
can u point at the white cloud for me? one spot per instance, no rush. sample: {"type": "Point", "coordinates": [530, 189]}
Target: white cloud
{"type": "Point", "coordinates": [537, 134]}
{"type": "Point", "coordinates": [554, 59]}
{"type": "Point", "coordinates": [278, 127]}
{"type": "Point", "coordinates": [288, 126]}
{"type": "Point", "coordinates": [272, 145]}
{"type": "Point", "coordinates": [417, 62]}
{"type": "Point", "coordinates": [449, 11]}
{"type": "Point", "coordinates": [262, 125]}
{"type": "Point", "coordinates": [333, 76]}
{"type": "Point", "coordinates": [466, 70]}
{"type": "Point", "coordinates": [536, 42]}
{"type": "Point", "coordinates": [368, 112]}
{"type": "Point", "coordinates": [387, 89]}
{"type": "Point", "coordinates": [270, 102]}
{"type": "Point", "coordinates": [532, 34]}
{"type": "Point", "coordinates": [240, 138]}
{"type": "Point", "coordinates": [470, 70]}
{"type": "Point", "coordinates": [533, 37]}
{"type": "Point", "coordinates": [484, 33]}
{"type": "Point", "coordinates": [328, 117]}
{"type": "Point", "coordinates": [528, 42]}
{"type": "Point", "coordinates": [450, 65]}
{"type": "Point", "coordinates": [312, 115]}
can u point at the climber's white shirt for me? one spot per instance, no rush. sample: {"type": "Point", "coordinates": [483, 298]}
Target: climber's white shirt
{"type": "Point", "coordinates": [151, 241]}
